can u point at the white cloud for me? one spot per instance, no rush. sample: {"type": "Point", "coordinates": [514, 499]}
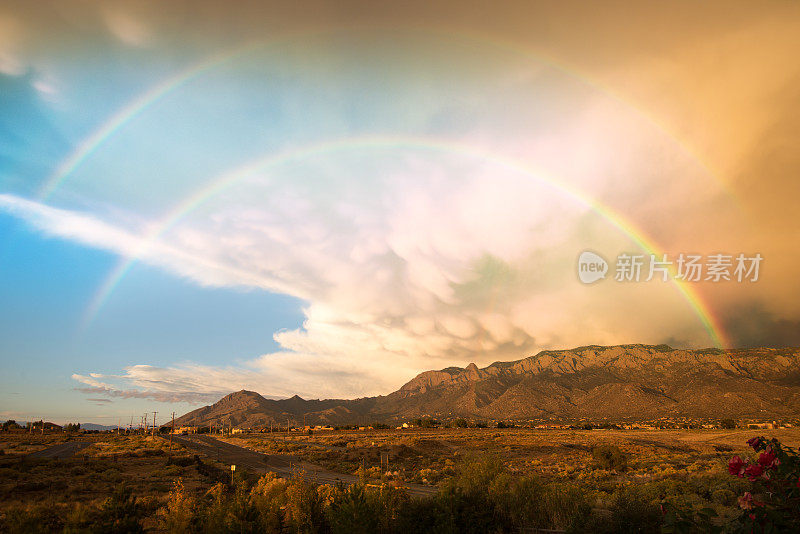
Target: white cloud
{"type": "Point", "coordinates": [127, 27]}
{"type": "Point", "coordinates": [440, 263]}
{"type": "Point", "coordinates": [418, 257]}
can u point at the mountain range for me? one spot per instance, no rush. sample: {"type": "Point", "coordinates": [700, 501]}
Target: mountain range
{"type": "Point", "coordinates": [617, 383]}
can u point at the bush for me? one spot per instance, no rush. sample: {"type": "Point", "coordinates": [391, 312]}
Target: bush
{"type": "Point", "coordinates": [351, 512]}
{"type": "Point", "coordinates": [119, 514]}
{"type": "Point", "coordinates": [304, 507]}
{"type": "Point", "coordinates": [178, 515]}
{"type": "Point", "coordinates": [727, 424]}
{"type": "Point", "coordinates": [32, 519]}
{"type": "Point", "coordinates": [629, 512]}
{"type": "Point", "coordinates": [773, 502]}
{"type": "Point", "coordinates": [610, 457]}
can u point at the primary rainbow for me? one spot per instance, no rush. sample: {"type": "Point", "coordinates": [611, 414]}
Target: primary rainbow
{"type": "Point", "coordinates": [231, 178]}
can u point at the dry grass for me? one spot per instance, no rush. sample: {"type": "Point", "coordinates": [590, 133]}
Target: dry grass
{"type": "Point", "coordinates": [686, 465]}
{"type": "Point", "coordinates": [144, 464]}
{"type": "Point", "coordinates": [559, 454]}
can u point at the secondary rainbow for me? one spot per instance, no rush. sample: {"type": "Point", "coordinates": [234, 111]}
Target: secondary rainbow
{"type": "Point", "coordinates": [141, 103]}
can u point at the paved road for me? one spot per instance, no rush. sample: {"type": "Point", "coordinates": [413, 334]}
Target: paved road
{"type": "Point", "coordinates": [282, 464]}
{"type": "Point", "coordinates": [62, 450]}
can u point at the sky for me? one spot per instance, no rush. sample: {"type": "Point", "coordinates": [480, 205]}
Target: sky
{"type": "Point", "coordinates": [328, 198]}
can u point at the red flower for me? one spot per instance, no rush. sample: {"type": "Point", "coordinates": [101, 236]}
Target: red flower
{"type": "Point", "coordinates": [767, 460]}
{"type": "Point", "coordinates": [753, 442]}
{"type": "Point", "coordinates": [753, 471]}
{"type": "Point", "coordinates": [736, 466]}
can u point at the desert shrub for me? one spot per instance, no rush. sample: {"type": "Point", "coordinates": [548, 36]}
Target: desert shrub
{"type": "Point", "coordinates": [483, 497]}
{"type": "Point", "coordinates": [119, 513]}
{"type": "Point", "coordinates": [181, 461]}
{"type": "Point", "coordinates": [270, 488]}
{"type": "Point", "coordinates": [629, 512]}
{"type": "Point", "coordinates": [244, 516]}
{"type": "Point", "coordinates": [268, 496]}
{"type": "Point", "coordinates": [723, 496]}
{"type": "Point", "coordinates": [352, 512]}
{"type": "Point", "coordinates": [610, 457]}
{"type": "Point", "coordinates": [171, 470]}
{"type": "Point", "coordinates": [727, 424]}
{"type": "Point", "coordinates": [304, 507]}
{"type": "Point", "coordinates": [562, 506]}
{"type": "Point", "coordinates": [178, 515]}
{"type": "Point", "coordinates": [390, 504]}
{"type": "Point", "coordinates": [31, 519]}
{"type": "Point", "coordinates": [214, 509]}
{"type": "Point", "coordinates": [79, 519]}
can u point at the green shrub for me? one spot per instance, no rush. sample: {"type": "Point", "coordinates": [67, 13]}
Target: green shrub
{"type": "Point", "coordinates": [178, 515]}
{"type": "Point", "coordinates": [304, 507]}
{"type": "Point", "coordinates": [351, 512]}
{"type": "Point", "coordinates": [629, 513]}
{"type": "Point", "coordinates": [610, 457]}
{"type": "Point", "coordinates": [31, 519]}
{"type": "Point", "coordinates": [119, 513]}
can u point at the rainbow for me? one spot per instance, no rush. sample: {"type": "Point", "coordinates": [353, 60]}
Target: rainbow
{"type": "Point", "coordinates": [144, 101]}
{"type": "Point", "coordinates": [126, 114]}
{"type": "Point", "coordinates": [231, 178]}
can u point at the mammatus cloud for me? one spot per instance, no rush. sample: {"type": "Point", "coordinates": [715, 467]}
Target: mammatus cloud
{"type": "Point", "coordinates": [442, 262]}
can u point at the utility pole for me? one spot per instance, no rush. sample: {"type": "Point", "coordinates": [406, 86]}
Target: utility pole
{"type": "Point", "coordinates": [154, 423]}
{"type": "Point", "coordinates": [173, 431]}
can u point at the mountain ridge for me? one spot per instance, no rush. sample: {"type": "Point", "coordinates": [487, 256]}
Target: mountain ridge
{"type": "Point", "coordinates": [620, 382]}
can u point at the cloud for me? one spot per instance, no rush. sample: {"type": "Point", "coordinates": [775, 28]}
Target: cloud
{"type": "Point", "coordinates": [416, 257]}
{"type": "Point", "coordinates": [410, 258]}
{"type": "Point", "coordinates": [434, 263]}
{"type": "Point", "coordinates": [128, 28]}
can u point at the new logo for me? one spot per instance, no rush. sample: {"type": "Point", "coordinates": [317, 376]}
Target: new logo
{"type": "Point", "coordinates": [591, 267]}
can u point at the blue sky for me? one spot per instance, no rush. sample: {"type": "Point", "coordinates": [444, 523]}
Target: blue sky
{"type": "Point", "coordinates": [328, 203]}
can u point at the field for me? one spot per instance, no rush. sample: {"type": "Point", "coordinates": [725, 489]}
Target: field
{"type": "Point", "coordinates": [70, 489]}
{"type": "Point", "coordinates": [429, 456]}
{"type": "Point", "coordinates": [683, 468]}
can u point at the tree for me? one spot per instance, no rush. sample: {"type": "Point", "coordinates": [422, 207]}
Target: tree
{"type": "Point", "coordinates": [727, 424]}
{"type": "Point", "coordinates": [11, 425]}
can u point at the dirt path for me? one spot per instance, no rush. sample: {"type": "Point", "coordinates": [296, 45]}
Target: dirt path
{"type": "Point", "coordinates": [62, 450]}
{"type": "Point", "coordinates": [281, 464]}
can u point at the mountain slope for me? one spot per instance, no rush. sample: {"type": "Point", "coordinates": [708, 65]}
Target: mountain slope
{"type": "Point", "coordinates": [623, 382]}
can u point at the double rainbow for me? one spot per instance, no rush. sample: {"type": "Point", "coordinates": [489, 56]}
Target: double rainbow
{"type": "Point", "coordinates": [139, 105]}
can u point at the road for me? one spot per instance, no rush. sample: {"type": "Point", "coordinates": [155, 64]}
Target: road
{"type": "Point", "coordinates": [281, 464]}
{"type": "Point", "coordinates": [62, 450]}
